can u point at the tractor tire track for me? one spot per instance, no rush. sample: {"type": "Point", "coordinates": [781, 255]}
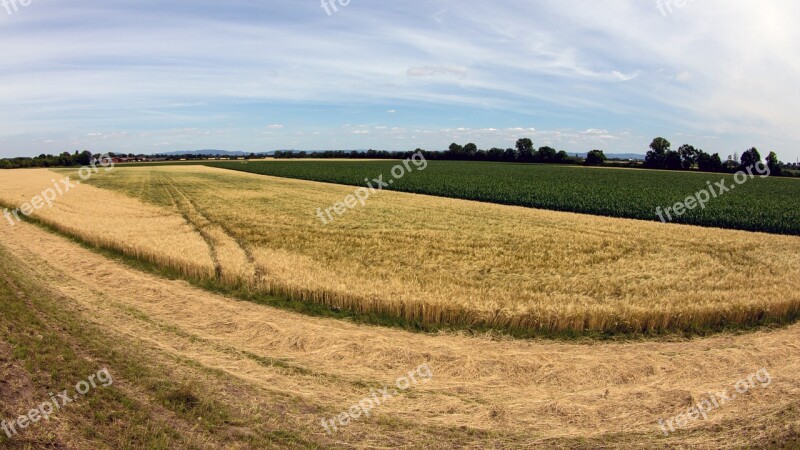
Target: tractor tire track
{"type": "Point", "coordinates": [245, 246]}
{"type": "Point", "coordinates": [166, 185]}
{"type": "Point", "coordinates": [233, 262]}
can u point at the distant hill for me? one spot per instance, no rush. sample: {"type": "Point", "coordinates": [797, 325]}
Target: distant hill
{"type": "Point", "coordinates": [212, 152]}
{"type": "Point", "coordinates": [319, 151]}
{"type": "Point", "coordinates": [625, 156]}
{"type": "Point", "coordinates": [208, 152]}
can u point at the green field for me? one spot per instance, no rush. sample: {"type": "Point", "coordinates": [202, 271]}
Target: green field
{"type": "Point", "coordinates": [769, 204]}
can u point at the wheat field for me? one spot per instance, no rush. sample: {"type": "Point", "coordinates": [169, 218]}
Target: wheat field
{"type": "Point", "coordinates": [105, 219]}
{"type": "Point", "coordinates": [429, 260]}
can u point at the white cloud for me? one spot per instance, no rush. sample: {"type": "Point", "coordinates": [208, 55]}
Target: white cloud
{"type": "Point", "coordinates": [683, 77]}
{"type": "Point", "coordinates": [623, 76]}
{"type": "Point", "coordinates": [429, 71]}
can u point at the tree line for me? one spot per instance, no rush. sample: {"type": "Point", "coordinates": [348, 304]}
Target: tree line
{"type": "Point", "coordinates": [660, 156]}
{"type": "Point", "coordinates": [523, 152]}
{"type": "Point", "coordinates": [65, 159]}
{"type": "Point", "coordinates": [687, 157]}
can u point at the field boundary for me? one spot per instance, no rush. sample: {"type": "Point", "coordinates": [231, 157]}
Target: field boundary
{"type": "Point", "coordinates": [633, 209]}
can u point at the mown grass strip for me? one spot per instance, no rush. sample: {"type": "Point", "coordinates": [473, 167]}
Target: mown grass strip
{"type": "Point", "coordinates": [56, 345]}
{"type": "Point", "coordinates": [105, 415]}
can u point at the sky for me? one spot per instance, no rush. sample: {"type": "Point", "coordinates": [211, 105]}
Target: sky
{"type": "Point", "coordinates": [142, 76]}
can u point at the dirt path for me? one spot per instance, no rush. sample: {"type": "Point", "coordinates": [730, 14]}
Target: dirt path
{"type": "Point", "coordinates": [505, 392]}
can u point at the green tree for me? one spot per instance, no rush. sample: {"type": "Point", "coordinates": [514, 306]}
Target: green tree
{"type": "Point", "coordinates": [525, 149]}
{"type": "Point", "coordinates": [709, 163]}
{"type": "Point", "coordinates": [83, 159]}
{"type": "Point", "coordinates": [657, 156]}
{"type": "Point", "coordinates": [750, 158]}
{"type": "Point", "coordinates": [547, 154]}
{"type": "Point", "coordinates": [673, 161]}
{"type": "Point", "coordinates": [470, 149]}
{"type": "Point", "coordinates": [456, 150]}
{"type": "Point", "coordinates": [595, 158]}
{"type": "Point", "coordinates": [495, 154]}
{"type": "Point", "coordinates": [774, 165]}
{"type": "Point", "coordinates": [689, 156]}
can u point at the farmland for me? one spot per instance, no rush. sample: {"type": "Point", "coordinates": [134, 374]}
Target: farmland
{"type": "Point", "coordinates": [429, 262]}
{"type": "Point", "coordinates": [193, 369]}
{"type": "Point", "coordinates": [768, 205]}
{"type": "Point", "coordinates": [439, 225]}
{"type": "Point", "coordinates": [139, 270]}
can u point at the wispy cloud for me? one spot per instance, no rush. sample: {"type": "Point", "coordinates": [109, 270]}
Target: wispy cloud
{"type": "Point", "coordinates": [429, 71]}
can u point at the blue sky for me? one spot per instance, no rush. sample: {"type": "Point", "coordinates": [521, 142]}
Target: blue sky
{"type": "Point", "coordinates": [149, 76]}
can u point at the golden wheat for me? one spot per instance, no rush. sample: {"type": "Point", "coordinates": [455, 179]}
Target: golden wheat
{"type": "Point", "coordinates": [443, 261]}
{"type": "Point", "coordinates": [106, 219]}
